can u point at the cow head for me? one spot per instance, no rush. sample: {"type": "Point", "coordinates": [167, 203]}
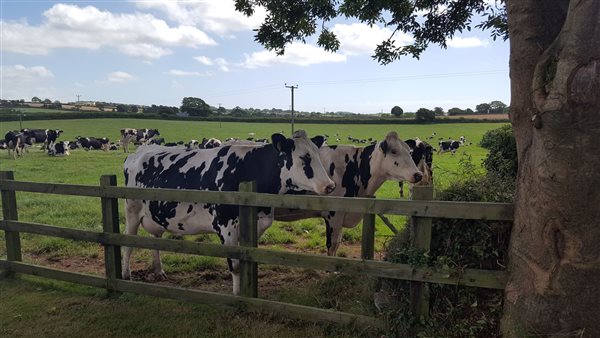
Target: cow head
{"type": "Point", "coordinates": [301, 165]}
{"type": "Point", "coordinates": [395, 159]}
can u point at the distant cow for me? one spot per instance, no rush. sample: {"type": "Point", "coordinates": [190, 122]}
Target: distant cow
{"type": "Point", "coordinates": [193, 144]}
{"type": "Point", "coordinates": [17, 141]}
{"type": "Point", "coordinates": [127, 135]}
{"type": "Point", "coordinates": [210, 143]}
{"type": "Point", "coordinates": [44, 136]}
{"type": "Point", "coordinates": [93, 143]}
{"type": "Point", "coordinates": [357, 172]}
{"type": "Point", "coordinates": [288, 164]}
{"type": "Point", "coordinates": [157, 141]}
{"type": "Point", "coordinates": [59, 148]}
{"type": "Point", "coordinates": [140, 136]}
{"type": "Point", "coordinates": [448, 146]}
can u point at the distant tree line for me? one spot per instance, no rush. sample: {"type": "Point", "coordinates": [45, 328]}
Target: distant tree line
{"type": "Point", "coordinates": [194, 106]}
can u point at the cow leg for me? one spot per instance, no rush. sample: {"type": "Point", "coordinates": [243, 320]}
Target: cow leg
{"type": "Point", "coordinates": [231, 238]}
{"type": "Point", "coordinates": [156, 264]}
{"type": "Point", "coordinates": [338, 222]}
{"type": "Point", "coordinates": [333, 225]}
{"type": "Point", "coordinates": [336, 239]}
{"type": "Point", "coordinates": [132, 224]}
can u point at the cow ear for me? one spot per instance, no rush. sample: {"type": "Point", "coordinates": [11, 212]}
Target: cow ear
{"type": "Point", "coordinates": [411, 143]}
{"type": "Point", "coordinates": [279, 142]}
{"type": "Point", "coordinates": [383, 146]}
{"type": "Point", "coordinates": [318, 141]}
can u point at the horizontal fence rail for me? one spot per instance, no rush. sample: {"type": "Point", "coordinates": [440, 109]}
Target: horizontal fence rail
{"type": "Point", "coordinates": [433, 209]}
{"type": "Point", "coordinates": [467, 277]}
{"type": "Point", "coordinates": [197, 296]}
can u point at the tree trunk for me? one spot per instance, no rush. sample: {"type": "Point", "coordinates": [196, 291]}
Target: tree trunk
{"type": "Point", "coordinates": [554, 258]}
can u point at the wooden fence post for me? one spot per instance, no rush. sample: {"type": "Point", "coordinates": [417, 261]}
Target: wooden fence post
{"type": "Point", "coordinates": [368, 236]}
{"type": "Point", "coordinates": [110, 224]}
{"type": "Point", "coordinates": [9, 212]}
{"type": "Point", "coordinates": [248, 236]}
{"type": "Point", "coordinates": [421, 239]}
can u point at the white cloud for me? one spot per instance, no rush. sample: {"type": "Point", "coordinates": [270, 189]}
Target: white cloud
{"type": "Point", "coordinates": [120, 77]}
{"type": "Point", "coordinates": [360, 38]}
{"type": "Point", "coordinates": [458, 42]}
{"type": "Point", "coordinates": [222, 63]}
{"type": "Point", "coordinates": [70, 26]}
{"type": "Point", "coordinates": [295, 54]}
{"type": "Point", "coordinates": [216, 16]}
{"type": "Point", "coordinates": [177, 72]}
{"type": "Point", "coordinates": [219, 62]}
{"type": "Point", "coordinates": [25, 73]}
{"type": "Point", "coordinates": [22, 82]}
{"type": "Point", "coordinates": [204, 60]}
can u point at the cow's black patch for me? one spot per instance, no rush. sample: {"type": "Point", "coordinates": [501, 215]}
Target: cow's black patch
{"type": "Point", "coordinates": [162, 211]}
{"type": "Point", "coordinates": [190, 208]}
{"type": "Point", "coordinates": [331, 169]}
{"type": "Point", "coordinates": [308, 170]}
{"type": "Point", "coordinates": [349, 178]}
{"type": "Point", "coordinates": [334, 147]}
{"type": "Point", "coordinates": [290, 186]}
{"type": "Point", "coordinates": [365, 165]}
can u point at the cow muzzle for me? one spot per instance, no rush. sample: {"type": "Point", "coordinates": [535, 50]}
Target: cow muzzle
{"type": "Point", "coordinates": [417, 177]}
{"type": "Point", "coordinates": [330, 188]}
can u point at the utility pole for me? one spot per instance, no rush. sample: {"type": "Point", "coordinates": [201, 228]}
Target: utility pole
{"type": "Point", "coordinates": [78, 106]}
{"type": "Point", "coordinates": [219, 111]}
{"type": "Point", "coordinates": [292, 87]}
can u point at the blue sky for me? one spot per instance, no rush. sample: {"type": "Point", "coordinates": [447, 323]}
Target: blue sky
{"type": "Point", "coordinates": [157, 52]}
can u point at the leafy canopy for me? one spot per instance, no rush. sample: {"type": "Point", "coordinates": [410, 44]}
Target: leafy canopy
{"type": "Point", "coordinates": [428, 21]}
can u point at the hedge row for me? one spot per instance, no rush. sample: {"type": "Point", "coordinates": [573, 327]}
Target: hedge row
{"type": "Point", "coordinates": [10, 116]}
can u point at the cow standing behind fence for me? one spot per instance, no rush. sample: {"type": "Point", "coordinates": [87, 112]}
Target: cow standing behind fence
{"type": "Point", "coordinates": [286, 165]}
{"type": "Point", "coordinates": [358, 172]}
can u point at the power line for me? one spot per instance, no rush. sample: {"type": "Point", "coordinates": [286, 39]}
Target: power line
{"type": "Point", "coordinates": [242, 91]}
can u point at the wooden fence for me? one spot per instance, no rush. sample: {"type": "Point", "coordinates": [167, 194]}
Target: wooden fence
{"type": "Point", "coordinates": [421, 208]}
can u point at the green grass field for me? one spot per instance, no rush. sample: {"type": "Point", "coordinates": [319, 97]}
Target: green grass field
{"type": "Point", "coordinates": [84, 213]}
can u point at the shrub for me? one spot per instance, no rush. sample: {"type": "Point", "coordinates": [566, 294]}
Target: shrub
{"type": "Point", "coordinates": [502, 158]}
{"type": "Point", "coordinates": [460, 244]}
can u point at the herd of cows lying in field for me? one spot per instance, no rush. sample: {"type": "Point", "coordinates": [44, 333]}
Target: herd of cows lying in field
{"type": "Point", "coordinates": [296, 165]}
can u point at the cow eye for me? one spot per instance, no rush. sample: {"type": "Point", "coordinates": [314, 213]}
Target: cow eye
{"type": "Point", "coordinates": [393, 152]}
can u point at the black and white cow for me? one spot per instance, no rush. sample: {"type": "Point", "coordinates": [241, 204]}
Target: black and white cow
{"type": "Point", "coordinates": [44, 136]}
{"type": "Point", "coordinates": [127, 135]}
{"type": "Point", "coordinates": [357, 172]}
{"type": "Point", "coordinates": [158, 141]}
{"type": "Point", "coordinates": [448, 146]}
{"type": "Point", "coordinates": [193, 144]}
{"type": "Point", "coordinates": [286, 165]}
{"type": "Point", "coordinates": [17, 141]}
{"type": "Point", "coordinates": [59, 148]}
{"type": "Point", "coordinates": [93, 143]}
{"type": "Point", "coordinates": [139, 136]}
{"type": "Point", "coordinates": [210, 143]}
{"type": "Point", "coordinates": [422, 154]}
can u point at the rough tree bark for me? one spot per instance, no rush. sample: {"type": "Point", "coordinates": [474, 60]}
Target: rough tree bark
{"type": "Point", "coordinates": [554, 259]}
